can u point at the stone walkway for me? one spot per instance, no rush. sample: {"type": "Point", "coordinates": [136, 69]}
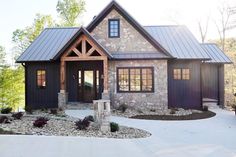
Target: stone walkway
{"type": "Point", "coordinates": [214, 137]}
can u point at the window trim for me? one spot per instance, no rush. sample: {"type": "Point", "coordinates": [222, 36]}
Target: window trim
{"type": "Point", "coordinates": [141, 84]}
{"type": "Point", "coordinates": [41, 87]}
{"type": "Point", "coordinates": [109, 29]}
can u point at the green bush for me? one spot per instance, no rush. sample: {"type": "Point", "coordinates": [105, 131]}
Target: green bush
{"type": "Point", "coordinates": [17, 115]}
{"type": "Point", "coordinates": [114, 127]}
{"type": "Point", "coordinates": [6, 110]}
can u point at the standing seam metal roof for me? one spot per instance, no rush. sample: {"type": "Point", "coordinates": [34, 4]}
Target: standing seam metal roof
{"type": "Point", "coordinates": [179, 41]}
{"type": "Point", "coordinates": [48, 44]}
{"type": "Point", "coordinates": [217, 56]}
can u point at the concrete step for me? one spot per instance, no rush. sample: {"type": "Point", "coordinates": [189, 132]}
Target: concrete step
{"type": "Point", "coordinates": [79, 106]}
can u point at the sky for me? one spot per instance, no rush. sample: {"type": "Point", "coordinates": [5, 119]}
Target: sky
{"type": "Point", "coordinates": [17, 14]}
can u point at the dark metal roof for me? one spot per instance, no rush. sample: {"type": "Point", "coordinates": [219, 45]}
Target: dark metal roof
{"type": "Point", "coordinates": [216, 54]}
{"type": "Point", "coordinates": [47, 44]}
{"type": "Point", "coordinates": [178, 41]}
{"type": "Point", "coordinates": [138, 55]}
{"type": "Point", "coordinates": [114, 5]}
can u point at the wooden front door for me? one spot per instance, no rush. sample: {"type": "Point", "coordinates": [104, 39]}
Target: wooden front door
{"type": "Point", "coordinates": [89, 85]}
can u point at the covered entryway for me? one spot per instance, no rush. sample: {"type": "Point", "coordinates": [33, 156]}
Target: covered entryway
{"type": "Point", "coordinates": [83, 70]}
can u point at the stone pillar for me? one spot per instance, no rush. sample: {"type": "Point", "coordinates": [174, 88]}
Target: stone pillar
{"type": "Point", "coordinates": [62, 99]}
{"type": "Point", "coordinates": [102, 114]}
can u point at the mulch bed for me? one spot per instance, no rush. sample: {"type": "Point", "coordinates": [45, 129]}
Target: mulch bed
{"type": "Point", "coordinates": [193, 116]}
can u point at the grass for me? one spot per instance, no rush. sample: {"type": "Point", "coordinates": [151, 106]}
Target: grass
{"type": "Point", "coordinates": [193, 116]}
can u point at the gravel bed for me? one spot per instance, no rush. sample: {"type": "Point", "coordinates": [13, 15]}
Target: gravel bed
{"type": "Point", "coordinates": [63, 127]}
{"type": "Point", "coordinates": [136, 112]}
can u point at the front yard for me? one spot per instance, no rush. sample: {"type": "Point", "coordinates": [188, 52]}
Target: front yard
{"type": "Point", "coordinates": [212, 137]}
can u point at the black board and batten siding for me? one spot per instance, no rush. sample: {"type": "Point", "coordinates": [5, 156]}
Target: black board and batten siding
{"type": "Point", "coordinates": [184, 93]}
{"type": "Point", "coordinates": [213, 82]}
{"type": "Point", "coordinates": [38, 98]}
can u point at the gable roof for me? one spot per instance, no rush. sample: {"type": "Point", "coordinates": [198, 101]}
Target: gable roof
{"type": "Point", "coordinates": [47, 44]}
{"type": "Point", "coordinates": [114, 5]}
{"type": "Point", "coordinates": [216, 54]}
{"type": "Point", "coordinates": [52, 42]}
{"type": "Point", "coordinates": [179, 41]}
{"type": "Point", "coordinates": [82, 30]}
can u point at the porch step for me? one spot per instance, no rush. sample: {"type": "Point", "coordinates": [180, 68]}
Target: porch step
{"type": "Point", "coordinates": [211, 103]}
{"type": "Point", "coordinates": [79, 106]}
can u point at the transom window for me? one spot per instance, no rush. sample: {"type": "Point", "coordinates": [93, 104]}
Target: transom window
{"type": "Point", "coordinates": [181, 74]}
{"type": "Point", "coordinates": [134, 79]}
{"type": "Point", "coordinates": [41, 78]}
{"type": "Point", "coordinates": [114, 28]}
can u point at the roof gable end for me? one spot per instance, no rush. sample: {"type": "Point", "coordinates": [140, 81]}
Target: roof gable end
{"type": "Point", "coordinates": [131, 20]}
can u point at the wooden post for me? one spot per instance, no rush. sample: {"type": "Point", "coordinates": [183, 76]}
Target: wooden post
{"type": "Point", "coordinates": [63, 76]}
{"type": "Point", "coordinates": [105, 73]}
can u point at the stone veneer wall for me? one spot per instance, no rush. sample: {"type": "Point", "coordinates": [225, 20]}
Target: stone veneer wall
{"type": "Point", "coordinates": [156, 100]}
{"type": "Point", "coordinates": [130, 39]}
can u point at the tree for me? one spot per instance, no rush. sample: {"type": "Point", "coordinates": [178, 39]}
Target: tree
{"type": "Point", "coordinates": [22, 38]}
{"type": "Point", "coordinates": [226, 22]}
{"type": "Point", "coordinates": [203, 28]}
{"type": "Point", "coordinates": [69, 11]}
{"type": "Point", "coordinates": [2, 56]}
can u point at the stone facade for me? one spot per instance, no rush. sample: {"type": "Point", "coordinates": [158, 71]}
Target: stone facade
{"type": "Point", "coordinates": [156, 100]}
{"type": "Point", "coordinates": [130, 39]}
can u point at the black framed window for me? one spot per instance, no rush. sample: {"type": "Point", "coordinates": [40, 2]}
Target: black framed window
{"type": "Point", "coordinates": [114, 28]}
{"type": "Point", "coordinates": [181, 74]}
{"type": "Point", "coordinates": [41, 78]}
{"type": "Point", "coordinates": [135, 79]}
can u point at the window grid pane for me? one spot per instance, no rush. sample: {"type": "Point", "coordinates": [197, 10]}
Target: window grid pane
{"type": "Point", "coordinates": [177, 74]}
{"type": "Point", "coordinates": [113, 28]}
{"type": "Point", "coordinates": [135, 79]}
{"type": "Point", "coordinates": [185, 74]}
{"type": "Point", "coordinates": [41, 78]}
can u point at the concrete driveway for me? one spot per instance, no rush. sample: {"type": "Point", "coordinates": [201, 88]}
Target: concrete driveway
{"type": "Point", "coordinates": [214, 137]}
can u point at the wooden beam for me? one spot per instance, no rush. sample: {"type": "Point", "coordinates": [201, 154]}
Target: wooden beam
{"type": "Point", "coordinates": [77, 51]}
{"type": "Point", "coordinates": [90, 51]}
{"type": "Point", "coordinates": [92, 58]}
{"type": "Point", "coordinates": [63, 75]}
{"type": "Point", "coordinates": [105, 73]}
{"type": "Point", "coordinates": [83, 45]}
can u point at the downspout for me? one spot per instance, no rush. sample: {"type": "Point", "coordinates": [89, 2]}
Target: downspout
{"type": "Point", "coordinates": [201, 95]}
{"type": "Point", "coordinates": [25, 69]}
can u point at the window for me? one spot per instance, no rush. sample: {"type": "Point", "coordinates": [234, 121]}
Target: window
{"type": "Point", "coordinates": [135, 79]}
{"type": "Point", "coordinates": [185, 74]}
{"type": "Point", "coordinates": [41, 78]}
{"type": "Point", "coordinates": [114, 28]}
{"type": "Point", "coordinates": [181, 74]}
{"type": "Point", "coordinates": [177, 74]}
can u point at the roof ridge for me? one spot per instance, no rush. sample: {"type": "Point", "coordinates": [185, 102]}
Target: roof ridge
{"type": "Point", "coordinates": [164, 25]}
{"type": "Point", "coordinates": [62, 28]}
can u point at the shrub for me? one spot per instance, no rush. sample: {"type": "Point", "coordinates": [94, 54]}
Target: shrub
{"type": "Point", "coordinates": [6, 110]}
{"type": "Point", "coordinates": [53, 111]}
{"type": "Point", "coordinates": [123, 107]}
{"type": "Point", "coordinates": [89, 118]}
{"type": "Point", "coordinates": [17, 115]}
{"type": "Point", "coordinates": [172, 111]}
{"type": "Point", "coordinates": [205, 108]}
{"type": "Point", "coordinates": [29, 109]}
{"type": "Point", "coordinates": [40, 122]}
{"type": "Point", "coordinates": [82, 124]}
{"type": "Point", "coordinates": [4, 119]}
{"type": "Point", "coordinates": [152, 110]}
{"type": "Point", "coordinates": [114, 127]}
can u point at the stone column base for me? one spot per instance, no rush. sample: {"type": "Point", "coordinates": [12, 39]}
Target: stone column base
{"type": "Point", "coordinates": [105, 96]}
{"type": "Point", "coordinates": [62, 99]}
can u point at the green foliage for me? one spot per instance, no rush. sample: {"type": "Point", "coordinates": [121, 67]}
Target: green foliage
{"type": "Point", "coordinates": [6, 110]}
{"type": "Point", "coordinates": [69, 11]}
{"type": "Point", "coordinates": [114, 127]}
{"type": "Point", "coordinates": [2, 56]}
{"type": "Point", "coordinates": [11, 87]}
{"type": "Point", "coordinates": [22, 38]}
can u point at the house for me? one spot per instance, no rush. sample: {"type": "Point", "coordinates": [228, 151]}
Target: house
{"type": "Point", "coordinates": [116, 58]}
